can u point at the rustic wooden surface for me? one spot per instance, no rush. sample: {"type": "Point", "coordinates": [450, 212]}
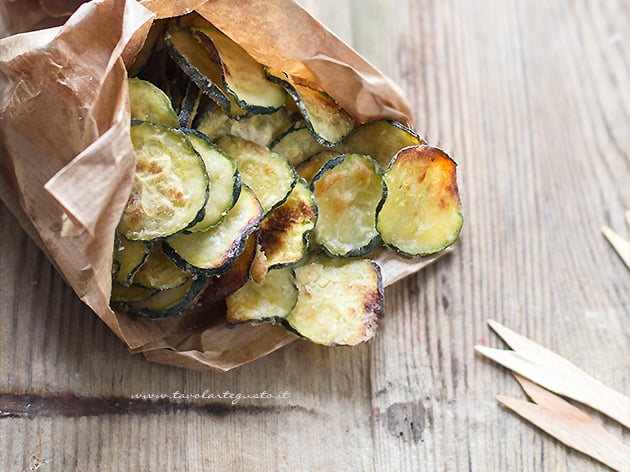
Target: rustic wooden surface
{"type": "Point", "coordinates": [533, 101]}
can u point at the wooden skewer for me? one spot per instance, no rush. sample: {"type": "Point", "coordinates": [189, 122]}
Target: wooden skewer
{"type": "Point", "coordinates": [556, 374]}
{"type": "Point", "coordinates": [569, 425]}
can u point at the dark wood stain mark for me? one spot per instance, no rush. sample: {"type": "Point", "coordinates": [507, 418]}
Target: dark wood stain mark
{"type": "Point", "coordinates": [407, 420]}
{"type": "Point", "coordinates": [72, 405]}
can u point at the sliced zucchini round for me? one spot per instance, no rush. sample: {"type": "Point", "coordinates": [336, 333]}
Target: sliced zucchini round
{"type": "Point", "coordinates": [340, 301]}
{"type": "Point", "coordinates": [423, 190]}
{"type": "Point", "coordinates": [284, 232]}
{"type": "Point", "coordinates": [169, 302]}
{"type": "Point", "coordinates": [296, 144]}
{"type": "Point", "coordinates": [242, 76]}
{"type": "Point", "coordinates": [268, 174]}
{"type": "Point", "coordinates": [216, 250]}
{"type": "Point", "coordinates": [148, 103]}
{"type": "Point", "coordinates": [170, 187]}
{"type": "Point", "coordinates": [235, 277]}
{"type": "Point", "coordinates": [159, 271]}
{"type": "Point", "coordinates": [190, 105]}
{"type": "Point", "coordinates": [310, 167]}
{"type": "Point", "coordinates": [380, 139]}
{"type": "Point", "coordinates": [125, 294]}
{"type": "Point", "coordinates": [261, 129]}
{"type": "Point", "coordinates": [349, 191]}
{"type": "Point", "coordinates": [325, 119]}
{"type": "Point", "coordinates": [129, 257]}
{"type": "Point", "coordinates": [269, 301]}
{"type": "Point", "coordinates": [196, 62]}
{"type": "Point", "coordinates": [224, 181]}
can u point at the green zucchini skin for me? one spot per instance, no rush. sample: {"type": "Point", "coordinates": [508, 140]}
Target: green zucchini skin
{"type": "Point", "coordinates": [340, 200]}
{"type": "Point", "coordinates": [190, 105]}
{"type": "Point", "coordinates": [214, 251]}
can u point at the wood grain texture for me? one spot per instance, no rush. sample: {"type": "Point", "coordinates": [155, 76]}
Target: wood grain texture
{"type": "Point", "coordinates": [532, 99]}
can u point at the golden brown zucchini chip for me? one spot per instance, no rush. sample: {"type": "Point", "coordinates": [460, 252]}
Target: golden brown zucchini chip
{"type": "Point", "coordinates": [269, 301]}
{"type": "Point", "coordinates": [220, 286]}
{"type": "Point", "coordinates": [284, 232]}
{"type": "Point", "coordinates": [380, 139]}
{"type": "Point", "coordinates": [339, 300]}
{"type": "Point", "coordinates": [268, 174]}
{"type": "Point", "coordinates": [422, 212]}
{"type": "Point", "coordinates": [214, 251]}
{"type": "Point", "coordinates": [349, 191]}
{"type": "Point", "coordinates": [242, 76]}
{"type": "Point", "coordinates": [170, 187]}
{"type": "Point", "coordinates": [325, 119]}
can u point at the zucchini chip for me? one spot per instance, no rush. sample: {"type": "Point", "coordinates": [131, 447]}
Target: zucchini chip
{"type": "Point", "coordinates": [422, 212]}
{"type": "Point", "coordinates": [380, 140]}
{"type": "Point", "coordinates": [284, 232]}
{"type": "Point", "coordinates": [224, 185]}
{"type": "Point", "coordinates": [159, 271]}
{"type": "Point", "coordinates": [296, 144]}
{"type": "Point", "coordinates": [190, 105]}
{"type": "Point", "coordinates": [125, 294]}
{"type": "Point", "coordinates": [129, 257]}
{"type": "Point", "coordinates": [269, 301]}
{"type": "Point", "coordinates": [169, 302]}
{"type": "Point", "coordinates": [339, 302]}
{"type": "Point", "coordinates": [216, 250]}
{"type": "Point", "coordinates": [170, 187]}
{"type": "Point", "coordinates": [325, 119]}
{"type": "Point", "coordinates": [261, 129]}
{"type": "Point", "coordinates": [349, 191]}
{"type": "Point", "coordinates": [242, 76]}
{"type": "Point", "coordinates": [268, 174]}
{"type": "Point", "coordinates": [148, 103]}
{"type": "Point", "coordinates": [235, 277]}
{"type": "Point", "coordinates": [195, 61]}
{"type": "Point", "coordinates": [310, 167]}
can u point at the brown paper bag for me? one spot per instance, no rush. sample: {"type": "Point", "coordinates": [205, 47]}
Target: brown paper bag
{"type": "Point", "coordinates": [67, 162]}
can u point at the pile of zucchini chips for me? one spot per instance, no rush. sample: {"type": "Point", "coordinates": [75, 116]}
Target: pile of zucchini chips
{"type": "Point", "coordinates": [253, 188]}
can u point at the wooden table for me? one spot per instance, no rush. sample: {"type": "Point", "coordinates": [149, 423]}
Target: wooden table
{"type": "Point", "coordinates": [532, 99]}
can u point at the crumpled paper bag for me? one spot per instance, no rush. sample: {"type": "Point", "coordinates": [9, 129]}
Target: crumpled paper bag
{"type": "Point", "coordinates": [67, 161]}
